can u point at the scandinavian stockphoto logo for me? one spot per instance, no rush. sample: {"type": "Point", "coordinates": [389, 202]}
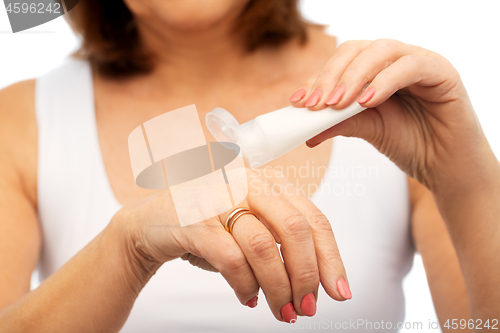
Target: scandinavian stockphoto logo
{"type": "Point", "coordinates": [170, 151]}
{"type": "Point", "coordinates": [25, 14]}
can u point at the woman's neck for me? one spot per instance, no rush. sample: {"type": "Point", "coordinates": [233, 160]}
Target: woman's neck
{"type": "Point", "coordinates": [214, 57]}
{"type": "Point", "coordinates": [193, 57]}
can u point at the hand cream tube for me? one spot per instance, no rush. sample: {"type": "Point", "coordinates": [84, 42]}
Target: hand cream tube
{"type": "Point", "coordinates": [273, 134]}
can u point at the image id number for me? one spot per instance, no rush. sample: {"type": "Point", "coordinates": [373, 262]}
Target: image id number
{"type": "Point", "coordinates": [38, 8]}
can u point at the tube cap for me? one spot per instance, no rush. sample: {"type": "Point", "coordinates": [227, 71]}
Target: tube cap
{"type": "Point", "coordinates": [248, 136]}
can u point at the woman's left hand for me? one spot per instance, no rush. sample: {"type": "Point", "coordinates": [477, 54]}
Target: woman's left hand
{"type": "Point", "coordinates": [419, 113]}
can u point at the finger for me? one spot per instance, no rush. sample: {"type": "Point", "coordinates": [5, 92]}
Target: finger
{"type": "Point", "coordinates": [415, 72]}
{"type": "Point", "coordinates": [332, 272]}
{"type": "Point", "coordinates": [261, 251]}
{"type": "Point", "coordinates": [298, 97]}
{"type": "Point", "coordinates": [220, 249]}
{"type": "Point", "coordinates": [369, 63]}
{"type": "Point", "coordinates": [292, 231]}
{"type": "Point", "coordinates": [372, 125]}
{"type": "Point", "coordinates": [405, 72]}
{"type": "Point", "coordinates": [322, 91]}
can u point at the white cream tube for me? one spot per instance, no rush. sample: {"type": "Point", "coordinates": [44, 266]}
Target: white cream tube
{"type": "Point", "coordinates": [273, 134]}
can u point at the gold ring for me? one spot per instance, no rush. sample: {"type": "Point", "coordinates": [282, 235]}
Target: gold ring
{"type": "Point", "coordinates": [233, 216]}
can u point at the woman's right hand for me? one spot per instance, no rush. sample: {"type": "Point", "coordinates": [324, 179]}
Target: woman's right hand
{"type": "Point", "coordinates": [249, 258]}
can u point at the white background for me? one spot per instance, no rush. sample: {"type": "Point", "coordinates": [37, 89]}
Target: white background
{"type": "Point", "coordinates": [463, 31]}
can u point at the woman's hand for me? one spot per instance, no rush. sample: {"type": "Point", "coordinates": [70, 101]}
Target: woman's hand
{"type": "Point", "coordinates": [249, 259]}
{"type": "Point", "coordinates": [419, 114]}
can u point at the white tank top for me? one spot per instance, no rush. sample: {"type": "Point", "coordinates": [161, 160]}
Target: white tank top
{"type": "Point", "coordinates": [363, 194]}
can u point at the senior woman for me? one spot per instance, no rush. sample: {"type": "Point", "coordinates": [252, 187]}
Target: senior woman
{"type": "Point", "coordinates": [69, 204]}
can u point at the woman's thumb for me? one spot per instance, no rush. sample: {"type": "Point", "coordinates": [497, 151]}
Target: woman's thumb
{"type": "Point", "coordinates": [366, 125]}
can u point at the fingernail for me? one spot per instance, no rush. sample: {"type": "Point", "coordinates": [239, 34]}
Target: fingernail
{"type": "Point", "coordinates": [336, 96]}
{"type": "Point", "coordinates": [298, 95]}
{"type": "Point", "coordinates": [366, 95]}
{"type": "Point", "coordinates": [288, 313]}
{"type": "Point", "coordinates": [312, 145]}
{"type": "Point", "coordinates": [343, 289]}
{"type": "Point", "coordinates": [253, 302]}
{"type": "Point", "coordinates": [314, 98]}
{"type": "Point", "coordinates": [308, 305]}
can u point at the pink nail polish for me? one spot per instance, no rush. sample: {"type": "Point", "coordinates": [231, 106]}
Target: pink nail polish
{"type": "Point", "coordinates": [288, 313]}
{"type": "Point", "coordinates": [308, 305]}
{"type": "Point", "coordinates": [314, 98]}
{"type": "Point", "coordinates": [298, 95]}
{"type": "Point", "coordinates": [366, 95]}
{"type": "Point", "coordinates": [253, 302]}
{"type": "Point", "coordinates": [336, 96]}
{"type": "Point", "coordinates": [343, 289]}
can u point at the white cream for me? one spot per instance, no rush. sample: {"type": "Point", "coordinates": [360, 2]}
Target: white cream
{"type": "Point", "coordinates": [273, 134]}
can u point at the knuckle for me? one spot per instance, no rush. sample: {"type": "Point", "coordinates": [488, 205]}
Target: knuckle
{"type": "Point", "coordinates": [295, 224]}
{"type": "Point", "coordinates": [412, 60]}
{"type": "Point", "coordinates": [261, 244]}
{"type": "Point", "coordinates": [234, 260]}
{"type": "Point", "coordinates": [246, 289]}
{"type": "Point", "coordinates": [326, 76]}
{"type": "Point", "coordinates": [279, 289]}
{"type": "Point", "coordinates": [319, 222]}
{"type": "Point", "coordinates": [353, 74]}
{"type": "Point", "coordinates": [388, 44]}
{"type": "Point", "coordinates": [349, 44]}
{"type": "Point", "coordinates": [411, 63]}
{"type": "Point", "coordinates": [333, 256]}
{"type": "Point", "coordinates": [309, 276]}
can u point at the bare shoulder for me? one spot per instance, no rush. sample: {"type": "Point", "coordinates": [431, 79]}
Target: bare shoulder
{"type": "Point", "coordinates": [20, 233]}
{"type": "Point", "coordinates": [17, 105]}
{"type": "Point", "coordinates": [18, 135]}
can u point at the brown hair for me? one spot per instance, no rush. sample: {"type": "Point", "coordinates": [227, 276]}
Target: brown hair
{"type": "Point", "coordinates": [111, 40]}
